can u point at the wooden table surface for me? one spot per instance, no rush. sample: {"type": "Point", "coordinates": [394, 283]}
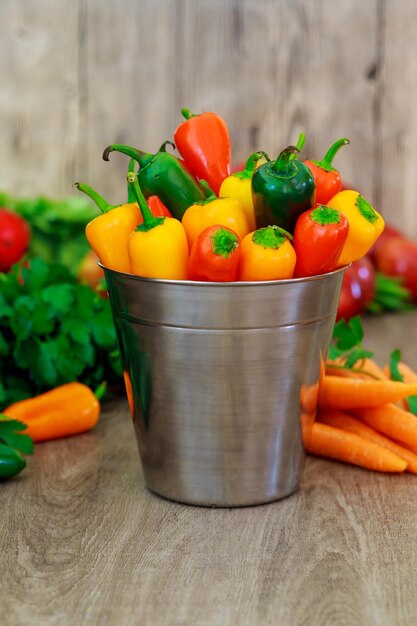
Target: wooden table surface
{"type": "Point", "coordinates": [83, 542]}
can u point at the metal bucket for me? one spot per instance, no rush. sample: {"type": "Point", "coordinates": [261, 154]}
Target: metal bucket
{"type": "Point", "coordinates": [222, 381]}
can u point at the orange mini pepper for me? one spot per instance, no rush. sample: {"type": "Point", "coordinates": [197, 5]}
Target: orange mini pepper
{"type": "Point", "coordinates": [67, 410]}
{"type": "Point", "coordinates": [214, 211]}
{"type": "Point", "coordinates": [267, 254]}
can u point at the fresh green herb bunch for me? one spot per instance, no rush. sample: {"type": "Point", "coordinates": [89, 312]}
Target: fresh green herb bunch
{"type": "Point", "coordinates": [13, 445]}
{"type": "Point", "coordinates": [52, 331]}
{"type": "Point", "coordinates": [57, 227]}
{"type": "Point", "coordinates": [347, 343]}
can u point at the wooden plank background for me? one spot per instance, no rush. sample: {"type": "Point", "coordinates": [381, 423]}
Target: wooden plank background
{"type": "Point", "coordinates": [76, 76]}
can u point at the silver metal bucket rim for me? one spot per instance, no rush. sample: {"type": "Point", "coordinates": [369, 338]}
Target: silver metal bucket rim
{"type": "Point", "coordinates": [235, 284]}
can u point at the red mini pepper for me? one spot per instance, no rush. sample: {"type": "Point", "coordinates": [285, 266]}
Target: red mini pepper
{"type": "Point", "coordinates": [215, 255]}
{"type": "Point", "coordinates": [319, 237]}
{"type": "Point", "coordinates": [328, 181]}
{"type": "Point", "coordinates": [157, 207]}
{"type": "Point", "coordinates": [204, 142]}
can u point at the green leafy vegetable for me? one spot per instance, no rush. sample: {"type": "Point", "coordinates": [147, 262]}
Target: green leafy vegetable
{"type": "Point", "coordinates": [395, 374]}
{"type": "Point", "coordinates": [11, 436]}
{"type": "Point", "coordinates": [390, 295]}
{"type": "Point", "coordinates": [58, 226]}
{"type": "Point", "coordinates": [347, 343]}
{"type": "Point", "coordinates": [52, 331]}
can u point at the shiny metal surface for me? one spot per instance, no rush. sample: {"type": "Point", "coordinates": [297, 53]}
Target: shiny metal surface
{"type": "Point", "coordinates": [220, 379]}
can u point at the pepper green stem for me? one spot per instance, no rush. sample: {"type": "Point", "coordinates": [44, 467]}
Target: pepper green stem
{"type": "Point", "coordinates": [250, 166]}
{"type": "Point", "coordinates": [130, 195]}
{"type": "Point", "coordinates": [271, 237]}
{"type": "Point", "coordinates": [325, 215]}
{"type": "Point", "coordinates": [102, 204]}
{"type": "Point", "coordinates": [300, 144]}
{"type": "Point", "coordinates": [326, 162]}
{"type": "Point", "coordinates": [187, 113]}
{"type": "Point", "coordinates": [224, 242]}
{"type": "Point", "coordinates": [143, 158]}
{"type": "Point", "coordinates": [163, 148]}
{"type": "Point", "coordinates": [210, 195]}
{"type": "Point", "coordinates": [283, 159]}
{"type": "Point", "coordinates": [149, 221]}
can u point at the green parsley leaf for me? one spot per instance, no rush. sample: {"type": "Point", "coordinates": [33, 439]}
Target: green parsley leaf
{"type": "Point", "coordinates": [60, 296]}
{"type": "Point", "coordinates": [4, 346]}
{"type": "Point", "coordinates": [347, 343]}
{"type": "Point", "coordinates": [395, 374]}
{"type": "Point", "coordinates": [11, 436]}
{"type": "Point", "coordinates": [52, 331]}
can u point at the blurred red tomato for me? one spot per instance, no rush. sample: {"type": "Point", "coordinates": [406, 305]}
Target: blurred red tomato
{"type": "Point", "coordinates": [358, 289]}
{"type": "Point", "coordinates": [14, 238]}
{"type": "Point", "coordinates": [90, 272]}
{"type": "Point", "coordinates": [389, 233]}
{"type": "Point", "coordinates": [398, 257]}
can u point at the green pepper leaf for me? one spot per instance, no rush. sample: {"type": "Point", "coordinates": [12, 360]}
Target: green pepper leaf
{"type": "Point", "coordinates": [10, 435]}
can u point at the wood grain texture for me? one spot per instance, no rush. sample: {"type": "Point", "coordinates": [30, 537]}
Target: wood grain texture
{"type": "Point", "coordinates": [39, 96]}
{"type": "Point", "coordinates": [84, 542]}
{"type": "Point", "coordinates": [77, 76]}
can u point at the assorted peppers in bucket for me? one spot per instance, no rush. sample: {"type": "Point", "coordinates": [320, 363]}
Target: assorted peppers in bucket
{"type": "Point", "coordinates": [189, 218]}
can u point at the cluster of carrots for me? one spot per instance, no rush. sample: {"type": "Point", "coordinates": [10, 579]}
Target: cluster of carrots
{"type": "Point", "coordinates": [364, 418]}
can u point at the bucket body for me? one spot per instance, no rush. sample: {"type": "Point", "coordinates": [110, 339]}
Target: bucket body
{"type": "Point", "coordinates": [222, 381]}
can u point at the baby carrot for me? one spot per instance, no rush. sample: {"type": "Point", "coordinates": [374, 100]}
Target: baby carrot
{"type": "Point", "coordinates": [350, 424]}
{"type": "Point", "coordinates": [349, 393]}
{"type": "Point", "coordinates": [392, 421]}
{"type": "Point", "coordinates": [366, 368]}
{"type": "Point", "coordinates": [336, 444]}
{"type": "Point", "coordinates": [408, 377]}
{"type": "Point", "coordinates": [407, 373]}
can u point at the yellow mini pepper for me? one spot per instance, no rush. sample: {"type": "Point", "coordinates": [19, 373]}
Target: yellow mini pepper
{"type": "Point", "coordinates": [238, 186]}
{"type": "Point", "coordinates": [108, 233]}
{"type": "Point", "coordinates": [214, 211]}
{"type": "Point", "coordinates": [267, 254]}
{"type": "Point", "coordinates": [157, 248]}
{"type": "Point", "coordinates": [365, 224]}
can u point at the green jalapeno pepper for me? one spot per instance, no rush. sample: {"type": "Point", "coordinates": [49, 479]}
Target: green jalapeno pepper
{"type": "Point", "coordinates": [162, 175]}
{"type": "Point", "coordinates": [282, 190]}
{"type": "Point", "coordinates": [11, 462]}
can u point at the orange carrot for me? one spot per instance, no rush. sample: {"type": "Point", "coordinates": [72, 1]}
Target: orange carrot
{"type": "Point", "coordinates": [407, 373]}
{"type": "Point", "coordinates": [393, 422]}
{"type": "Point", "coordinates": [366, 369]}
{"type": "Point", "coordinates": [342, 446]}
{"type": "Point", "coordinates": [350, 393]}
{"type": "Point", "coordinates": [346, 422]}
{"type": "Point", "coordinates": [371, 367]}
{"type": "Point", "coordinates": [408, 377]}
